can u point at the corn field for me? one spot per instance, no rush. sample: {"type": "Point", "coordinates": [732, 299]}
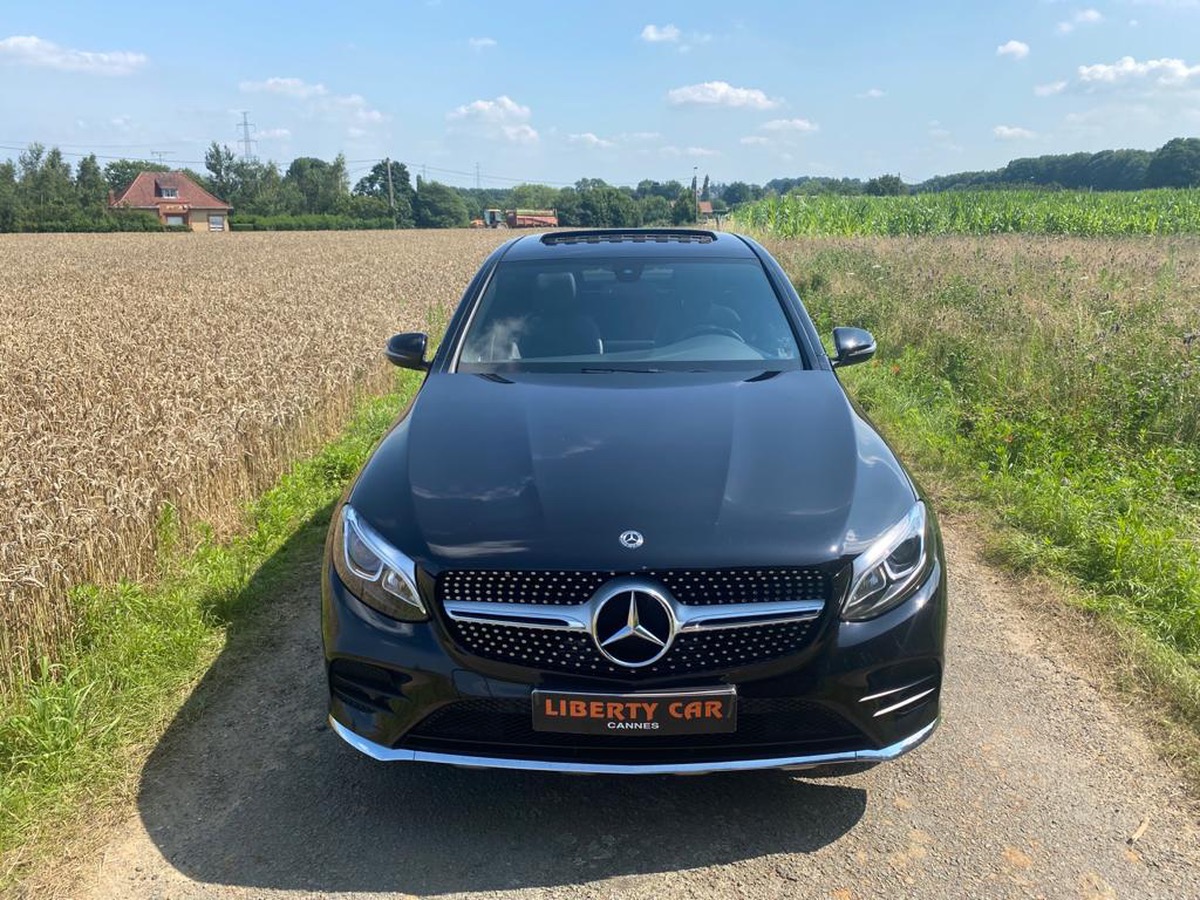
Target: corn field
{"type": "Point", "coordinates": [1165, 212]}
{"type": "Point", "coordinates": [154, 378]}
{"type": "Point", "coordinates": [1057, 379]}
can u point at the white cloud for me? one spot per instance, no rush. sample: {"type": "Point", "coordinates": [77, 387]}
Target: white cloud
{"type": "Point", "coordinates": [589, 139]}
{"type": "Point", "coordinates": [1049, 90]}
{"type": "Point", "coordinates": [799, 126]}
{"type": "Point", "coordinates": [720, 93]}
{"type": "Point", "coordinates": [654, 34]}
{"type": "Point", "coordinates": [273, 134]}
{"type": "Point", "coordinates": [502, 109]}
{"type": "Point", "coordinates": [1082, 17]}
{"type": "Point", "coordinates": [754, 140]}
{"type": "Point", "coordinates": [356, 106]}
{"type": "Point", "coordinates": [288, 87]}
{"type": "Point", "coordinates": [502, 118]}
{"type": "Point", "coordinates": [940, 134]}
{"type": "Point", "coordinates": [871, 94]}
{"type": "Point", "coordinates": [671, 34]}
{"type": "Point", "coordinates": [1168, 73]}
{"type": "Point", "coordinates": [318, 98]}
{"type": "Point", "coordinates": [1015, 49]}
{"type": "Point", "coordinates": [29, 50]}
{"type": "Point", "coordinates": [694, 38]}
{"type": "Point", "coordinates": [1012, 133]}
{"type": "Point", "coordinates": [481, 43]}
{"type": "Point", "coordinates": [695, 152]}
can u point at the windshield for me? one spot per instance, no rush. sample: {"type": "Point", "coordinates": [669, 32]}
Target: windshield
{"type": "Point", "coordinates": [629, 315]}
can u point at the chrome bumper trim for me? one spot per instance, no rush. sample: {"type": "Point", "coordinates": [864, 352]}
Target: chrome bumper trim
{"type": "Point", "coordinates": [387, 754]}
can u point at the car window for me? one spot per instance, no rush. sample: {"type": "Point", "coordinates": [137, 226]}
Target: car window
{"type": "Point", "coordinates": [672, 314]}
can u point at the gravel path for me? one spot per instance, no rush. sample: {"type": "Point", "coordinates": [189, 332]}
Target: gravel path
{"type": "Point", "coordinates": [1031, 788]}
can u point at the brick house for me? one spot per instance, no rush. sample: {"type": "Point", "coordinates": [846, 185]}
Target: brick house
{"type": "Point", "coordinates": [176, 199]}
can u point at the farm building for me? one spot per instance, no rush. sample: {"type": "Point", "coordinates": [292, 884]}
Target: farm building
{"type": "Point", "coordinates": [176, 199]}
{"type": "Point", "coordinates": [707, 215]}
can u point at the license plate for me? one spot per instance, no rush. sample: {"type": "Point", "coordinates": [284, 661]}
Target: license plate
{"type": "Point", "coordinates": [702, 711]}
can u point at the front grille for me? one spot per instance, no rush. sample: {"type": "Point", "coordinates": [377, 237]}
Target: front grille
{"type": "Point", "coordinates": [576, 653]}
{"type": "Point", "coordinates": [695, 587]}
{"type": "Point", "coordinates": [490, 726]}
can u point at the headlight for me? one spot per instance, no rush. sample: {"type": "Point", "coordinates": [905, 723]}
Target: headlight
{"type": "Point", "coordinates": [375, 571]}
{"type": "Point", "coordinates": [885, 571]}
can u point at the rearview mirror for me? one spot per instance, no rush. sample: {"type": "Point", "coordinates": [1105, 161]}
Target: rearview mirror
{"type": "Point", "coordinates": [407, 350]}
{"type": "Point", "coordinates": [852, 346]}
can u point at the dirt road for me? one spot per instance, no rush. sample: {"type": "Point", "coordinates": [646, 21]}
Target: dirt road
{"type": "Point", "coordinates": [1031, 788]}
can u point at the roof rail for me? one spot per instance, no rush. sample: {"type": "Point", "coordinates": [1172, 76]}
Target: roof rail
{"type": "Point", "coordinates": [636, 235]}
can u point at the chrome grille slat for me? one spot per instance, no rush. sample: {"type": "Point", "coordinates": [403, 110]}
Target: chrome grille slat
{"type": "Point", "coordinates": [690, 618]}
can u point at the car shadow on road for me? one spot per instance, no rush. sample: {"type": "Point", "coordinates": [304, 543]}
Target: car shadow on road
{"type": "Point", "coordinates": [249, 787]}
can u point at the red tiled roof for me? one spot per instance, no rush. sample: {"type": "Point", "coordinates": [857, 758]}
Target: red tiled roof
{"type": "Point", "coordinates": [145, 192]}
{"type": "Point", "coordinates": [706, 207]}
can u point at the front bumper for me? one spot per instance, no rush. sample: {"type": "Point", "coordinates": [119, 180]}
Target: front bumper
{"type": "Point", "coordinates": [810, 761]}
{"type": "Point", "coordinates": [856, 694]}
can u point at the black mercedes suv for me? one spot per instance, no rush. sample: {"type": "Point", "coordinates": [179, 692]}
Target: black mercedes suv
{"type": "Point", "coordinates": [631, 523]}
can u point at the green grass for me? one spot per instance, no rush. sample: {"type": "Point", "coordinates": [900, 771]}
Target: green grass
{"type": "Point", "coordinates": [74, 735]}
{"type": "Point", "coordinates": [978, 212]}
{"type": "Point", "coordinates": [1054, 383]}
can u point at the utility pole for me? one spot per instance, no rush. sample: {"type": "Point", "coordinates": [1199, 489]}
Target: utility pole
{"type": "Point", "coordinates": [476, 176]}
{"type": "Point", "coordinates": [696, 192]}
{"type": "Point", "coordinates": [246, 141]}
{"type": "Point", "coordinates": [159, 154]}
{"type": "Point", "coordinates": [391, 196]}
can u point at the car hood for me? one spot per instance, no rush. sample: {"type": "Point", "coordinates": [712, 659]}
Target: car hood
{"type": "Point", "coordinates": [714, 469]}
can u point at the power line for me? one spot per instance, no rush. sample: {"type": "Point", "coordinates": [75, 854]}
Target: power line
{"type": "Point", "coordinates": [489, 177]}
{"type": "Point", "coordinates": [89, 145]}
{"type": "Point", "coordinates": [190, 162]}
{"type": "Point", "coordinates": [479, 175]}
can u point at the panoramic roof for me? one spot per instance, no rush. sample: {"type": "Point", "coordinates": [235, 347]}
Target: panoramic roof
{"type": "Point", "coordinates": [625, 242]}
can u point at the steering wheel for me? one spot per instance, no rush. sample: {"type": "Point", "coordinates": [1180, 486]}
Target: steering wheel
{"type": "Point", "coordinates": [711, 329]}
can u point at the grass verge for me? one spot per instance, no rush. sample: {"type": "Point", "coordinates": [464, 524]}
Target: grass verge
{"type": "Point", "coordinates": [1050, 385]}
{"type": "Point", "coordinates": [74, 737]}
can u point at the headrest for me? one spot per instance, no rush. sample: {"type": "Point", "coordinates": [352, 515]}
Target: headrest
{"type": "Point", "coordinates": [555, 289]}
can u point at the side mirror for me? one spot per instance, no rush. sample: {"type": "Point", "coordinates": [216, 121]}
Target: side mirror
{"type": "Point", "coordinates": [407, 350]}
{"type": "Point", "coordinates": [853, 345]}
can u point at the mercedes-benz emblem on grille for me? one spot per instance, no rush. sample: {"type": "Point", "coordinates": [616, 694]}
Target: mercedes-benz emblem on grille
{"type": "Point", "coordinates": [634, 627]}
{"type": "Point", "coordinates": [631, 540]}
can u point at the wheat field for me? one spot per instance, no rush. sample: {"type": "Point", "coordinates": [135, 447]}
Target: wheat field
{"type": "Point", "coordinates": [153, 377]}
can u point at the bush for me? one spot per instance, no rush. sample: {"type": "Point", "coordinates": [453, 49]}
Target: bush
{"type": "Point", "coordinates": [305, 222]}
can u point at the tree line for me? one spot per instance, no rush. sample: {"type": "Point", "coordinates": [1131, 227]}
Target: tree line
{"type": "Point", "coordinates": [1176, 164]}
{"type": "Point", "coordinates": [41, 191]}
{"type": "Point", "coordinates": [262, 196]}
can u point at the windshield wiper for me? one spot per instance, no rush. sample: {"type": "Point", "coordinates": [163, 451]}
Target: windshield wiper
{"type": "Point", "coordinates": [609, 371]}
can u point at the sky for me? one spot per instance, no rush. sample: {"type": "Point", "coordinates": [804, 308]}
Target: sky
{"type": "Point", "coordinates": [553, 92]}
